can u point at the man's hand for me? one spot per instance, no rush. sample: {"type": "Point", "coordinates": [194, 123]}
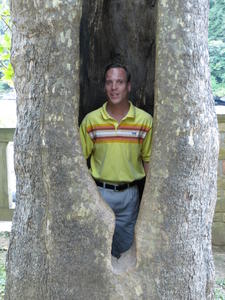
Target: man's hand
{"type": "Point", "coordinates": [146, 167]}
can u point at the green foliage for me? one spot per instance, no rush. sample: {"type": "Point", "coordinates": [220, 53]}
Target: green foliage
{"type": "Point", "coordinates": [217, 21]}
{"type": "Point", "coordinates": [217, 64]}
{"type": "Point", "coordinates": [6, 70]}
{"type": "Point", "coordinates": [2, 279]}
{"type": "Point", "coordinates": [219, 291]}
{"type": "Point", "coordinates": [217, 46]}
{"type": "Point", "coordinates": [211, 3]}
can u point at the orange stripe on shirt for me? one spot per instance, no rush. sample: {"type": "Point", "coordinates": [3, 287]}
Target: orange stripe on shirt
{"type": "Point", "coordinates": [136, 127]}
{"type": "Point", "coordinates": [100, 127]}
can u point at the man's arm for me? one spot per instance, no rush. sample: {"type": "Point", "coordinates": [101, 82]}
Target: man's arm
{"type": "Point", "coordinates": [146, 167]}
{"type": "Point", "coordinates": [86, 141]}
{"type": "Point", "coordinates": [146, 147]}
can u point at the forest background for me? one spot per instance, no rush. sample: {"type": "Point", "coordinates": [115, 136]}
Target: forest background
{"type": "Point", "coordinates": [216, 47]}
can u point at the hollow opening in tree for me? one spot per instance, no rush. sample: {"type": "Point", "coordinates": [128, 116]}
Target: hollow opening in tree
{"type": "Point", "coordinates": [115, 31]}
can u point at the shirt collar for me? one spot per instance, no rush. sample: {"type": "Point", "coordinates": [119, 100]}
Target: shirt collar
{"type": "Point", "coordinates": [130, 114]}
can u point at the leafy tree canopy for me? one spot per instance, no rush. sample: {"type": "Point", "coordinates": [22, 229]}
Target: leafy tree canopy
{"type": "Point", "coordinates": [217, 46]}
{"type": "Point", "coordinates": [6, 70]}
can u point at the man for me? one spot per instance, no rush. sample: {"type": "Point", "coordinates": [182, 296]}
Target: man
{"type": "Point", "coordinates": [117, 138]}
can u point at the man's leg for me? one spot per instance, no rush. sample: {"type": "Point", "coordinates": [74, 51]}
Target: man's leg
{"type": "Point", "coordinates": [125, 205]}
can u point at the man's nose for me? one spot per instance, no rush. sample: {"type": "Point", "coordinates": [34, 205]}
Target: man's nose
{"type": "Point", "coordinates": [114, 85]}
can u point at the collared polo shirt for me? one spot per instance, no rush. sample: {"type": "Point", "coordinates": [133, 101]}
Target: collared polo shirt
{"type": "Point", "coordinates": [117, 150]}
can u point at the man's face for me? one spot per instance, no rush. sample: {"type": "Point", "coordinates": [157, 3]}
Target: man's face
{"type": "Point", "coordinates": [116, 86]}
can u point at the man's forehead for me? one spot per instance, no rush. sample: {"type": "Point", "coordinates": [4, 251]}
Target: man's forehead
{"type": "Point", "coordinates": [116, 72]}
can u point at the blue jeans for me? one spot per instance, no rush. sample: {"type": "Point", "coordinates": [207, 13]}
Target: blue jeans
{"type": "Point", "coordinates": [125, 205]}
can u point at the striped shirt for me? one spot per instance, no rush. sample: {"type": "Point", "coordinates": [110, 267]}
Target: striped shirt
{"type": "Point", "coordinates": [117, 150]}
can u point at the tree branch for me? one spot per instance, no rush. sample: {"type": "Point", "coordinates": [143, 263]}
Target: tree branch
{"type": "Point", "coordinates": [2, 17]}
{"type": "Point", "coordinates": [3, 65]}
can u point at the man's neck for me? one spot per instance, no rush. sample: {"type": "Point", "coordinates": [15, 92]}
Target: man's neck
{"type": "Point", "coordinates": [118, 112]}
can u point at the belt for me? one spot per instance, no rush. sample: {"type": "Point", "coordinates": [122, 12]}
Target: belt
{"type": "Point", "coordinates": [115, 187]}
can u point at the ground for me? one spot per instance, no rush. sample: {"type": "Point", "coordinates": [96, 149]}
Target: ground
{"type": "Point", "coordinates": [4, 240]}
{"type": "Point", "coordinates": [219, 258]}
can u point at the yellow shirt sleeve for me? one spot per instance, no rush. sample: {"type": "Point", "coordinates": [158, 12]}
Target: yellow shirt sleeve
{"type": "Point", "coordinates": [86, 141]}
{"type": "Point", "coordinates": [146, 146]}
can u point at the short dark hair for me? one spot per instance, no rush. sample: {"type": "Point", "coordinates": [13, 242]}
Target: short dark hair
{"type": "Point", "coordinates": [117, 65]}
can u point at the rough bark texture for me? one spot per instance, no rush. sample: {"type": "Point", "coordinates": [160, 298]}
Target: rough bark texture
{"type": "Point", "coordinates": [175, 222]}
{"type": "Point", "coordinates": [60, 246]}
{"type": "Point", "coordinates": [62, 230]}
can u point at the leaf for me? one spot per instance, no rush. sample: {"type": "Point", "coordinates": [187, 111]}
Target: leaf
{"type": "Point", "coordinates": [6, 56]}
{"type": "Point", "coordinates": [6, 13]}
{"type": "Point", "coordinates": [7, 40]}
{"type": "Point", "coordinates": [8, 75]}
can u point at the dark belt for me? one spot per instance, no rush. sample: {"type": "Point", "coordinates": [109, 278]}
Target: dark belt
{"type": "Point", "coordinates": [115, 187]}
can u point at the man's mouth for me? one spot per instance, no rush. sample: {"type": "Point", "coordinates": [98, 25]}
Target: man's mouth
{"type": "Point", "coordinates": [114, 95]}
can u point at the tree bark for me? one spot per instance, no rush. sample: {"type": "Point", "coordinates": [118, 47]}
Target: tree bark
{"type": "Point", "coordinates": [174, 230]}
{"type": "Point", "coordinates": [62, 230]}
{"type": "Point", "coordinates": [60, 240]}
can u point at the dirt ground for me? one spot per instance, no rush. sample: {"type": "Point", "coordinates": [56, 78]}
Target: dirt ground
{"type": "Point", "coordinates": [219, 259]}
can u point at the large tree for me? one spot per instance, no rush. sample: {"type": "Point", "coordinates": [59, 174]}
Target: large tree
{"type": "Point", "coordinates": [62, 230]}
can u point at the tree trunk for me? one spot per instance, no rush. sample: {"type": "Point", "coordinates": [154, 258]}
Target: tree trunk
{"type": "Point", "coordinates": [62, 230]}
{"type": "Point", "coordinates": [174, 230]}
